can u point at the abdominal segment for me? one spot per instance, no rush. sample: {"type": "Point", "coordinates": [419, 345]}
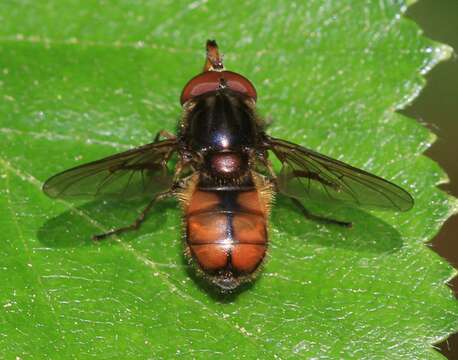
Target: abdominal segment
{"type": "Point", "coordinates": [226, 233]}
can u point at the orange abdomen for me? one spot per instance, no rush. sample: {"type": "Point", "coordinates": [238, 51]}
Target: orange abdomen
{"type": "Point", "coordinates": [226, 233]}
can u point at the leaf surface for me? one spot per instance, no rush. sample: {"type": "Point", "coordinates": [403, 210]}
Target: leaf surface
{"type": "Point", "coordinates": [83, 80]}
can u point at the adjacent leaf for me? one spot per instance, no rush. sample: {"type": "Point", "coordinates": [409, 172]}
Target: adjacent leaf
{"type": "Point", "coordinates": [82, 80]}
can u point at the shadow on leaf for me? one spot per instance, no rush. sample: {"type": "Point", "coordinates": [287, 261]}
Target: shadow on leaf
{"type": "Point", "coordinates": [75, 227]}
{"type": "Point", "coordinates": [368, 233]}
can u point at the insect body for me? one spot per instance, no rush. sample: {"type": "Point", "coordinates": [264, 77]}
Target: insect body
{"type": "Point", "coordinates": [227, 203]}
{"type": "Point", "coordinates": [223, 177]}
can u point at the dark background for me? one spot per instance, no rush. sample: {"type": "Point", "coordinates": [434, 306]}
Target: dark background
{"type": "Point", "coordinates": [437, 108]}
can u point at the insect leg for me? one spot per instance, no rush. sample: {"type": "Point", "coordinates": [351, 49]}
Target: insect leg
{"type": "Point", "coordinates": [263, 159]}
{"type": "Point", "coordinates": [138, 221]}
{"type": "Point", "coordinates": [318, 218]}
{"type": "Point", "coordinates": [270, 168]}
{"type": "Point", "coordinates": [165, 134]}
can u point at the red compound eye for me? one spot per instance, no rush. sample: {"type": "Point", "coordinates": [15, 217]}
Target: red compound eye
{"type": "Point", "coordinates": [213, 80]}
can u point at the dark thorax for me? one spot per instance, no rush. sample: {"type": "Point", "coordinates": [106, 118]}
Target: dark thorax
{"type": "Point", "coordinates": [220, 130]}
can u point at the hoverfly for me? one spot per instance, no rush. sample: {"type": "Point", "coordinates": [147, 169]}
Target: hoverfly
{"type": "Point", "coordinates": [223, 177]}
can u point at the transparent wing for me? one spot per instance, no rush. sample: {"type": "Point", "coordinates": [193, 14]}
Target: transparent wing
{"type": "Point", "coordinates": [308, 174]}
{"type": "Point", "coordinates": [129, 173]}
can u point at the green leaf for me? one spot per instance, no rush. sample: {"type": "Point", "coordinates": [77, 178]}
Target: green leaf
{"type": "Point", "coordinates": [82, 80]}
